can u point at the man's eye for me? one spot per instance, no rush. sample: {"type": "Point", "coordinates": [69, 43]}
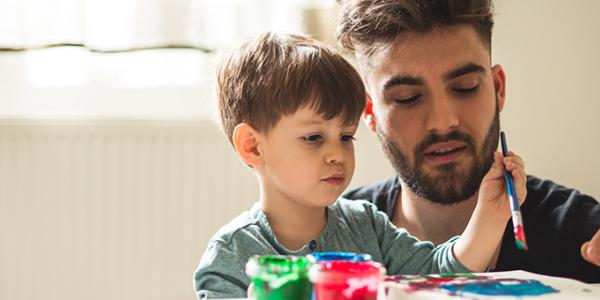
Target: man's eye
{"type": "Point", "coordinates": [407, 101]}
{"type": "Point", "coordinates": [468, 90]}
{"type": "Point", "coordinates": [313, 138]}
{"type": "Point", "coordinates": [348, 138]}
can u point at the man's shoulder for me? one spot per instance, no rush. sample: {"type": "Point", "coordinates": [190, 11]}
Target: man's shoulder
{"type": "Point", "coordinates": [551, 208]}
{"type": "Point", "coordinates": [371, 192]}
{"type": "Point", "coordinates": [544, 192]}
{"type": "Point", "coordinates": [558, 219]}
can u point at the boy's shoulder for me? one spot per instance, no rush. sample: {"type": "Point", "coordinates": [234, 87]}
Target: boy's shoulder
{"type": "Point", "coordinates": [245, 224]}
{"type": "Point", "coordinates": [358, 210]}
{"type": "Point", "coordinates": [344, 203]}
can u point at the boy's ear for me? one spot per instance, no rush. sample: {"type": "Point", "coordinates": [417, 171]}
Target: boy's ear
{"type": "Point", "coordinates": [499, 85]}
{"type": "Point", "coordinates": [368, 115]}
{"type": "Point", "coordinates": [245, 140]}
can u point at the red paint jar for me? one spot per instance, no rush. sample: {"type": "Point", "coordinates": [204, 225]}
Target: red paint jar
{"type": "Point", "coordinates": [346, 280]}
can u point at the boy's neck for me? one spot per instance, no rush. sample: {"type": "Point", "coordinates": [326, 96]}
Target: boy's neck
{"type": "Point", "coordinates": [293, 224]}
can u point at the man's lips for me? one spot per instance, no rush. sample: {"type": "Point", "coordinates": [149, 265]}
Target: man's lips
{"type": "Point", "coordinates": [335, 179]}
{"type": "Point", "coordinates": [445, 152]}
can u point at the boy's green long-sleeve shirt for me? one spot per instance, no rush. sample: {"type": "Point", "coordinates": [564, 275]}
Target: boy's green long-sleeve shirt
{"type": "Point", "coordinates": [352, 226]}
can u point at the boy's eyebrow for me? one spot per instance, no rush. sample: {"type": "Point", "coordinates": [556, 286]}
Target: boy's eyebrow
{"type": "Point", "coordinates": [462, 70]}
{"type": "Point", "coordinates": [319, 122]}
{"type": "Point", "coordinates": [310, 122]}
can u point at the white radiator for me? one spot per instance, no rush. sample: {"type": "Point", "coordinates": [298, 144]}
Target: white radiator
{"type": "Point", "coordinates": [112, 210]}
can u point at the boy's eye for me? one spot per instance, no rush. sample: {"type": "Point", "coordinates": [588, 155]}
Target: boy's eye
{"type": "Point", "coordinates": [467, 90]}
{"type": "Point", "coordinates": [407, 101]}
{"type": "Point", "coordinates": [348, 138]}
{"type": "Point", "coordinates": [313, 138]}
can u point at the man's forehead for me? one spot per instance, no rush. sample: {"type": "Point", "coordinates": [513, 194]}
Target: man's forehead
{"type": "Point", "coordinates": [424, 54]}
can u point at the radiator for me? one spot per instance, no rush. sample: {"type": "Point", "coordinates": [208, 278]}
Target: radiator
{"type": "Point", "coordinates": [112, 210]}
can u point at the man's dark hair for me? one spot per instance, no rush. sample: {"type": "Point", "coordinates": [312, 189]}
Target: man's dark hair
{"type": "Point", "coordinates": [365, 25]}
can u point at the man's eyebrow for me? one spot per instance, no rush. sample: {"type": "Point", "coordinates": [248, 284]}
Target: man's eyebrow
{"type": "Point", "coordinates": [401, 80]}
{"type": "Point", "coordinates": [412, 80]}
{"type": "Point", "coordinates": [466, 69]}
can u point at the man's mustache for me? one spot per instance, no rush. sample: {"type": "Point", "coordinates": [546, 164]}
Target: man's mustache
{"type": "Point", "coordinates": [434, 138]}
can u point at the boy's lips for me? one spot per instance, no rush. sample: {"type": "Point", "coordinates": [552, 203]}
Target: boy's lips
{"type": "Point", "coordinates": [447, 152]}
{"type": "Point", "coordinates": [335, 179]}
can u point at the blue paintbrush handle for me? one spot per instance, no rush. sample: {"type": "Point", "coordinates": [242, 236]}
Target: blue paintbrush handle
{"type": "Point", "coordinates": [513, 200]}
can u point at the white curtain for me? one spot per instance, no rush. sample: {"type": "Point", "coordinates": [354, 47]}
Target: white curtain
{"type": "Point", "coordinates": [116, 25]}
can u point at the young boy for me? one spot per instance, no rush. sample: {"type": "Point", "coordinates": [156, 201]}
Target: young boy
{"type": "Point", "coordinates": [290, 107]}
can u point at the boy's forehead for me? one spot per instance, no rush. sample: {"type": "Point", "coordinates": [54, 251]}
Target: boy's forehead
{"type": "Point", "coordinates": [307, 116]}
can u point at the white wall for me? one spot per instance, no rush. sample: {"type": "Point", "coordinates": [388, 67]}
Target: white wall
{"type": "Point", "coordinates": [550, 52]}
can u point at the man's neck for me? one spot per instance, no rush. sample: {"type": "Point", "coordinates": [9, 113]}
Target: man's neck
{"type": "Point", "coordinates": [430, 221]}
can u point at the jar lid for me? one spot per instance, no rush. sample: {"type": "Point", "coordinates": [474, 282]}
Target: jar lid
{"type": "Point", "coordinates": [329, 256]}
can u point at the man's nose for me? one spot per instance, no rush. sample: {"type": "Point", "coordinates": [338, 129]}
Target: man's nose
{"type": "Point", "coordinates": [442, 116]}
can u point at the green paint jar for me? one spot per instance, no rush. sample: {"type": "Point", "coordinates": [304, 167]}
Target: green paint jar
{"type": "Point", "coordinates": [279, 277]}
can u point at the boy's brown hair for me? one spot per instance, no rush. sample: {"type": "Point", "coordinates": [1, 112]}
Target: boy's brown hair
{"type": "Point", "coordinates": [365, 25]}
{"type": "Point", "coordinates": [276, 74]}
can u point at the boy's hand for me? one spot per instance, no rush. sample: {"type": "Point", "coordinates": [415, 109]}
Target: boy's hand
{"type": "Point", "coordinates": [493, 193]}
{"type": "Point", "coordinates": [476, 246]}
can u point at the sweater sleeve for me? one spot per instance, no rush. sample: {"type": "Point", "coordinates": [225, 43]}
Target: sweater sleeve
{"type": "Point", "coordinates": [220, 274]}
{"type": "Point", "coordinates": [405, 254]}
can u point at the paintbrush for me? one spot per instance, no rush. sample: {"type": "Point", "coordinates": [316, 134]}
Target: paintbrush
{"type": "Point", "coordinates": [517, 219]}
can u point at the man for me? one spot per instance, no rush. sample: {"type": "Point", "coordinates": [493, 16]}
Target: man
{"type": "Point", "coordinates": [434, 103]}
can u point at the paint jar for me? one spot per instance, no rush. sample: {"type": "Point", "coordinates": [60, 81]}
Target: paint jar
{"type": "Point", "coordinates": [346, 280]}
{"type": "Point", "coordinates": [329, 256]}
{"type": "Point", "coordinates": [279, 277]}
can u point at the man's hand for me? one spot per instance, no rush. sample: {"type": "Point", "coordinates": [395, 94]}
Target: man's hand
{"type": "Point", "coordinates": [590, 250]}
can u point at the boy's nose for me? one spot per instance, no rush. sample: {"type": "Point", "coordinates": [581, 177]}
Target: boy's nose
{"type": "Point", "coordinates": [333, 160]}
{"type": "Point", "coordinates": [334, 154]}
{"type": "Point", "coordinates": [442, 116]}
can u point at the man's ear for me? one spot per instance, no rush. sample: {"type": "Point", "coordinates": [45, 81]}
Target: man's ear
{"type": "Point", "coordinates": [245, 140]}
{"type": "Point", "coordinates": [499, 85]}
{"type": "Point", "coordinates": [368, 115]}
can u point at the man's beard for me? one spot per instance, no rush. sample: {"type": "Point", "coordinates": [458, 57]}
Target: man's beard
{"type": "Point", "coordinates": [449, 186]}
